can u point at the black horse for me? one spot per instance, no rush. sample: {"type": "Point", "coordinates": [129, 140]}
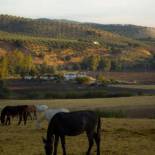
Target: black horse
{"type": "Point", "coordinates": [12, 111]}
{"type": "Point", "coordinates": [72, 124]}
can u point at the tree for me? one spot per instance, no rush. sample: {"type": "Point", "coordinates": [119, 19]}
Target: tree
{"type": "Point", "coordinates": [90, 63]}
{"type": "Point", "coordinates": [93, 62]}
{"type": "Point", "coordinates": [104, 64]}
{"type": "Point", "coordinates": [4, 68]}
{"type": "Point", "coordinates": [116, 65]}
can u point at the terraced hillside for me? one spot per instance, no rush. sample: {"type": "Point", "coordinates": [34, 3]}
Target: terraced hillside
{"type": "Point", "coordinates": [67, 43]}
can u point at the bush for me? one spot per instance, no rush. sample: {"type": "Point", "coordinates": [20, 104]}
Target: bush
{"type": "Point", "coordinates": [113, 81]}
{"type": "Point", "coordinates": [125, 94]}
{"type": "Point", "coordinates": [111, 114]}
{"type": "Point", "coordinates": [83, 80]}
{"type": "Point", "coordinates": [59, 76]}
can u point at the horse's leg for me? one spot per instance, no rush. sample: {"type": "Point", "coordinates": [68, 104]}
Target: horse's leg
{"type": "Point", "coordinates": [56, 144]}
{"type": "Point", "coordinates": [6, 120]}
{"type": "Point", "coordinates": [29, 115]}
{"type": "Point", "coordinates": [63, 144]}
{"type": "Point", "coordinates": [35, 115]}
{"type": "Point", "coordinates": [9, 120]}
{"type": "Point", "coordinates": [38, 122]}
{"type": "Point", "coordinates": [20, 119]}
{"type": "Point", "coordinates": [97, 140]}
{"type": "Point", "coordinates": [25, 117]}
{"type": "Point", "coordinates": [91, 142]}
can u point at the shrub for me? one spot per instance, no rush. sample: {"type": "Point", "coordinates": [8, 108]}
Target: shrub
{"type": "Point", "coordinates": [111, 114]}
{"type": "Point", "coordinates": [83, 80]}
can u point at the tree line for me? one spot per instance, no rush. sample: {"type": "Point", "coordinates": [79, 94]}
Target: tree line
{"type": "Point", "coordinates": [19, 63]}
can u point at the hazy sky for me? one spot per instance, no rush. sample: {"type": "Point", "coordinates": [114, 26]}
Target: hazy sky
{"type": "Point", "coordinates": [140, 12]}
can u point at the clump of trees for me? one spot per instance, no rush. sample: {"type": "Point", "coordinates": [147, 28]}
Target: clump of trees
{"type": "Point", "coordinates": [14, 63]}
{"type": "Point", "coordinates": [94, 63]}
{"type": "Point", "coordinates": [18, 63]}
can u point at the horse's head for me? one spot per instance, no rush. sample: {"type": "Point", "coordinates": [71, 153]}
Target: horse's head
{"type": "Point", "coordinates": [41, 108]}
{"type": "Point", "coordinates": [47, 146]}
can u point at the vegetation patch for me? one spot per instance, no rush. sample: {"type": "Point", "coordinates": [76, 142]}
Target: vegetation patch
{"type": "Point", "coordinates": [111, 114]}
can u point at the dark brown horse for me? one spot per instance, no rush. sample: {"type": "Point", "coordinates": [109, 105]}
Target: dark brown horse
{"type": "Point", "coordinates": [12, 111]}
{"type": "Point", "coordinates": [72, 124]}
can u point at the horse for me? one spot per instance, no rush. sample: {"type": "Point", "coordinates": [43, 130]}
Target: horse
{"type": "Point", "coordinates": [72, 124]}
{"type": "Point", "coordinates": [8, 111]}
{"type": "Point", "coordinates": [47, 115]}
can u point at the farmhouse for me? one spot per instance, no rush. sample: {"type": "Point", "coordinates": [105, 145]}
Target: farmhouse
{"type": "Point", "coordinates": [72, 76]}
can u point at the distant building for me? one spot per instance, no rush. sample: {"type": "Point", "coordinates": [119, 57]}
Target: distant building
{"type": "Point", "coordinates": [28, 77]}
{"type": "Point", "coordinates": [72, 76]}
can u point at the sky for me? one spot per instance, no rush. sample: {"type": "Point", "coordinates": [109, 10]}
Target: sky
{"type": "Point", "coordinates": [138, 12]}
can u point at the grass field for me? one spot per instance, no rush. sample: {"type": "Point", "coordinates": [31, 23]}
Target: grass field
{"type": "Point", "coordinates": [119, 137]}
{"type": "Point", "coordinates": [36, 89]}
{"type": "Point", "coordinates": [123, 136]}
{"type": "Point", "coordinates": [139, 77]}
{"type": "Point", "coordinates": [145, 87]}
{"type": "Point", "coordinates": [87, 103]}
{"type": "Point", "coordinates": [133, 107]}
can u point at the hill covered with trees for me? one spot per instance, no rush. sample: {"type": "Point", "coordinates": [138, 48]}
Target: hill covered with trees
{"type": "Point", "coordinates": [132, 31]}
{"type": "Point", "coordinates": [45, 45]}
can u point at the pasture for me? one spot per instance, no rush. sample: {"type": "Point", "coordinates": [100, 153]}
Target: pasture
{"type": "Point", "coordinates": [46, 89]}
{"type": "Point", "coordinates": [144, 87]}
{"type": "Point", "coordinates": [121, 136]}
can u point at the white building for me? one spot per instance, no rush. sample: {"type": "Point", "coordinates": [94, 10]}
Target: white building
{"type": "Point", "coordinates": [72, 76]}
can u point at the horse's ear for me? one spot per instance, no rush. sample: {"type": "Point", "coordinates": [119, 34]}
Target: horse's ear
{"type": "Point", "coordinates": [44, 140]}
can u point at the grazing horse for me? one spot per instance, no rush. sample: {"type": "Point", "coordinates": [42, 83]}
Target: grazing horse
{"type": "Point", "coordinates": [13, 111]}
{"type": "Point", "coordinates": [47, 115]}
{"type": "Point", "coordinates": [72, 124]}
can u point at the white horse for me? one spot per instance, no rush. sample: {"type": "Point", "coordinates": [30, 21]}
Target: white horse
{"type": "Point", "coordinates": [47, 114]}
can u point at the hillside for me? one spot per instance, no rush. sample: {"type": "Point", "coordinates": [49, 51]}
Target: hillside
{"type": "Point", "coordinates": [132, 31]}
{"type": "Point", "coordinates": [60, 29]}
{"type": "Point", "coordinates": [73, 45]}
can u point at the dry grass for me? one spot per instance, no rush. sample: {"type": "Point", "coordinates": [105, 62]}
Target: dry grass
{"type": "Point", "coordinates": [145, 87]}
{"type": "Point", "coordinates": [140, 77]}
{"type": "Point", "coordinates": [119, 137]}
{"type": "Point", "coordinates": [88, 103]}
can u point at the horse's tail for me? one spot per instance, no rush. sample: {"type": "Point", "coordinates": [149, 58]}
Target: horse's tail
{"type": "Point", "coordinates": [3, 113]}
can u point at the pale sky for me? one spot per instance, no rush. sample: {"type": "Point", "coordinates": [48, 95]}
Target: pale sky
{"type": "Point", "coordinates": [139, 12]}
